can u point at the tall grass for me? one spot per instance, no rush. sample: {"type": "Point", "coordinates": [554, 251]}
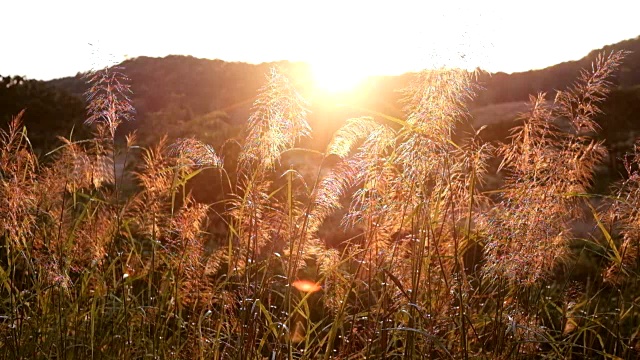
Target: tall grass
{"type": "Point", "coordinates": [437, 267]}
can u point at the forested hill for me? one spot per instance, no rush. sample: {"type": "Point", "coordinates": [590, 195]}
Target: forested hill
{"type": "Point", "coordinates": [501, 87]}
{"type": "Point", "coordinates": [175, 92]}
{"type": "Point", "coordinates": [49, 111]}
{"type": "Point", "coordinates": [183, 95]}
{"type": "Point", "coordinates": [196, 85]}
{"type": "Point", "coordinates": [185, 86]}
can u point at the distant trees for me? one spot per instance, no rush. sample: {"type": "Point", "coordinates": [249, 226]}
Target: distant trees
{"type": "Point", "coordinates": [501, 87]}
{"type": "Point", "coordinates": [212, 128]}
{"type": "Point", "coordinates": [620, 123]}
{"type": "Point", "coordinates": [186, 96]}
{"type": "Point", "coordinates": [49, 111]}
{"type": "Point", "coordinates": [173, 92]}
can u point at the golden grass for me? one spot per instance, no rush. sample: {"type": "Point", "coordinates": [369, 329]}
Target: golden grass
{"type": "Point", "coordinates": [438, 269]}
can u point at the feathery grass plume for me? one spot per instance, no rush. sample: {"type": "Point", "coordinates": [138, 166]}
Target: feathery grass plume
{"type": "Point", "coordinates": [85, 167]}
{"type": "Point", "coordinates": [436, 100]}
{"type": "Point", "coordinates": [431, 185]}
{"type": "Point", "coordinates": [329, 194]}
{"type": "Point", "coordinates": [90, 237]}
{"type": "Point", "coordinates": [369, 166]}
{"type": "Point", "coordinates": [196, 152]}
{"type": "Point", "coordinates": [411, 182]}
{"type": "Point", "coordinates": [184, 242]}
{"type": "Point", "coordinates": [164, 168]}
{"type": "Point", "coordinates": [258, 216]}
{"type": "Point", "coordinates": [369, 171]}
{"type": "Point", "coordinates": [18, 173]}
{"type": "Point", "coordinates": [437, 185]}
{"type": "Point", "coordinates": [345, 139]}
{"type": "Point", "coordinates": [334, 287]}
{"type": "Point", "coordinates": [580, 103]}
{"type": "Point", "coordinates": [399, 172]}
{"type": "Point", "coordinates": [108, 98]}
{"type": "Point", "coordinates": [101, 151]}
{"type": "Point", "coordinates": [151, 206]}
{"type": "Point", "coordinates": [277, 122]}
{"type": "Point", "coordinates": [375, 138]}
{"type": "Point", "coordinates": [435, 103]}
{"type": "Point", "coordinates": [527, 233]}
{"type": "Point", "coordinates": [528, 230]}
{"type": "Point", "coordinates": [626, 262]}
{"type": "Point", "coordinates": [186, 230]}
{"type": "Point", "coordinates": [190, 157]}
{"type": "Point", "coordinates": [75, 226]}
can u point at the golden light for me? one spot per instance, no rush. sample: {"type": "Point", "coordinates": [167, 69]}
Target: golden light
{"type": "Point", "coordinates": [306, 286]}
{"type": "Point", "coordinates": [337, 78]}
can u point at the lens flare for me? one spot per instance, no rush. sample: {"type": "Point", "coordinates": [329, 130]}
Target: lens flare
{"type": "Point", "coordinates": [306, 286]}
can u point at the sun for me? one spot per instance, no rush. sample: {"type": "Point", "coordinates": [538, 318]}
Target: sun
{"type": "Point", "coordinates": [337, 78]}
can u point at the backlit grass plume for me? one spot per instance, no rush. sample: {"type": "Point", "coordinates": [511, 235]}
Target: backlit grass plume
{"type": "Point", "coordinates": [529, 230]}
{"type": "Point", "coordinates": [278, 120]}
{"type": "Point", "coordinates": [625, 258]}
{"type": "Point", "coordinates": [18, 171]}
{"type": "Point", "coordinates": [108, 98]}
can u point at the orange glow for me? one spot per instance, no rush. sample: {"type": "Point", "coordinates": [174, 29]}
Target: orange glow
{"type": "Point", "coordinates": [306, 286]}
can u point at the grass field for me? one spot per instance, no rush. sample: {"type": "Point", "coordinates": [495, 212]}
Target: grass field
{"type": "Point", "coordinates": [385, 245]}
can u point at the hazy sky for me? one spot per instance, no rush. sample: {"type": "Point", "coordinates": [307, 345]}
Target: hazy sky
{"type": "Point", "coordinates": [50, 38]}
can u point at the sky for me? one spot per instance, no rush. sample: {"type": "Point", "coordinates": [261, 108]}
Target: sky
{"type": "Point", "coordinates": [45, 39]}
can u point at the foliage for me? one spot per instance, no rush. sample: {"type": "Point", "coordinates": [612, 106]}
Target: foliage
{"type": "Point", "coordinates": [49, 111]}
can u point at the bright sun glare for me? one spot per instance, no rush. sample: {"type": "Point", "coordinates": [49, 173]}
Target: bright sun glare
{"type": "Point", "coordinates": [337, 77]}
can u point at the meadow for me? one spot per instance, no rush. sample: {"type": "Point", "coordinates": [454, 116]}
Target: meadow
{"type": "Point", "coordinates": [107, 261]}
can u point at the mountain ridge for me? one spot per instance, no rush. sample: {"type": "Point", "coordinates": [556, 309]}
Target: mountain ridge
{"type": "Point", "coordinates": [177, 91]}
{"type": "Point", "coordinates": [216, 84]}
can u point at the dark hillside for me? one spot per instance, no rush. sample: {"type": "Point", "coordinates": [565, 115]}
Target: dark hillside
{"type": "Point", "coordinates": [49, 111]}
{"type": "Point", "coordinates": [173, 94]}
{"type": "Point", "coordinates": [185, 86]}
{"type": "Point", "coordinates": [501, 87]}
{"type": "Point", "coordinates": [177, 89]}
